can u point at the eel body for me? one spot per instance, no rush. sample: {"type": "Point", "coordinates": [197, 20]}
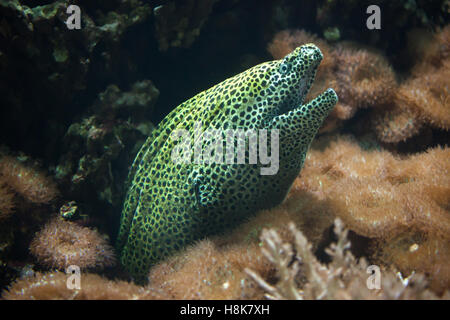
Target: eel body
{"type": "Point", "coordinates": [172, 202]}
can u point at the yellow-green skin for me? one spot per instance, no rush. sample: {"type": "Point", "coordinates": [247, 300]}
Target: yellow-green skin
{"type": "Point", "coordinates": [169, 205]}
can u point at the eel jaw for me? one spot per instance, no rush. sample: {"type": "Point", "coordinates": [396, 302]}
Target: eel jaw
{"type": "Point", "coordinates": [308, 52]}
{"type": "Point", "coordinates": [306, 119]}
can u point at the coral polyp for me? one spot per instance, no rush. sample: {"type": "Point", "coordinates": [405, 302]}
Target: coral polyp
{"type": "Point", "coordinates": [63, 243]}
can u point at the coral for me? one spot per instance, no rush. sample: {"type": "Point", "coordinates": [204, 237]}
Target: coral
{"type": "Point", "coordinates": [423, 99]}
{"type": "Point", "coordinates": [62, 243]}
{"type": "Point", "coordinates": [381, 196]}
{"type": "Point", "coordinates": [135, 103]}
{"type": "Point", "coordinates": [179, 24]}
{"type": "Point", "coordinates": [428, 96]}
{"type": "Point", "coordinates": [30, 183]}
{"type": "Point", "coordinates": [287, 270]}
{"type": "Point", "coordinates": [412, 252]}
{"type": "Point", "coordinates": [396, 124]}
{"type": "Point", "coordinates": [26, 193]}
{"type": "Point", "coordinates": [363, 79]}
{"type": "Point", "coordinates": [57, 61]}
{"type": "Point", "coordinates": [111, 127]}
{"type": "Point", "coordinates": [53, 286]}
{"type": "Point", "coordinates": [428, 49]}
{"type": "Point", "coordinates": [206, 271]}
{"type": "Point", "coordinates": [301, 276]}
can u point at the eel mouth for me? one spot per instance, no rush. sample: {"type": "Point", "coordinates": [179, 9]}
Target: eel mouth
{"type": "Point", "coordinates": [300, 91]}
{"type": "Point", "coordinates": [313, 56]}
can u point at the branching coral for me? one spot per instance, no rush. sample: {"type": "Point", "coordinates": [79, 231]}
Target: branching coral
{"type": "Point", "coordinates": [30, 183]}
{"type": "Point", "coordinates": [62, 243]}
{"type": "Point", "coordinates": [408, 192]}
{"type": "Point", "coordinates": [381, 196]}
{"type": "Point", "coordinates": [343, 278]}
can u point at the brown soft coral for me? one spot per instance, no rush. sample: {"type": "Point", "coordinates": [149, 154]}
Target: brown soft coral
{"type": "Point", "coordinates": [62, 243]}
{"type": "Point", "coordinates": [30, 183]}
{"type": "Point", "coordinates": [428, 97]}
{"type": "Point", "coordinates": [412, 252]}
{"type": "Point", "coordinates": [376, 193]}
{"type": "Point", "coordinates": [381, 196]}
{"type": "Point", "coordinates": [53, 286]}
{"type": "Point", "coordinates": [396, 124]}
{"type": "Point", "coordinates": [424, 97]}
{"type": "Point", "coordinates": [363, 79]}
{"type": "Point", "coordinates": [207, 271]}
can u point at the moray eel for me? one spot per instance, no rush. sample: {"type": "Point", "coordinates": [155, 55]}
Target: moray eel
{"type": "Point", "coordinates": [170, 204]}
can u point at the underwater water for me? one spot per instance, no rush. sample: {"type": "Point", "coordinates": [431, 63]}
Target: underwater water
{"type": "Point", "coordinates": [113, 187]}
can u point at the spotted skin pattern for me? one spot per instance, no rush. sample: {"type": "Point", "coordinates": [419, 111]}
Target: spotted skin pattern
{"type": "Point", "coordinates": [170, 205]}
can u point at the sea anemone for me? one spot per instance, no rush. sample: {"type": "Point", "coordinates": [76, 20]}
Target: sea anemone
{"type": "Point", "coordinates": [63, 243]}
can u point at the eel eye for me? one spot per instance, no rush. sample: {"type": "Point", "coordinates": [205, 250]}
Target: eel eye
{"type": "Point", "coordinates": [284, 68]}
